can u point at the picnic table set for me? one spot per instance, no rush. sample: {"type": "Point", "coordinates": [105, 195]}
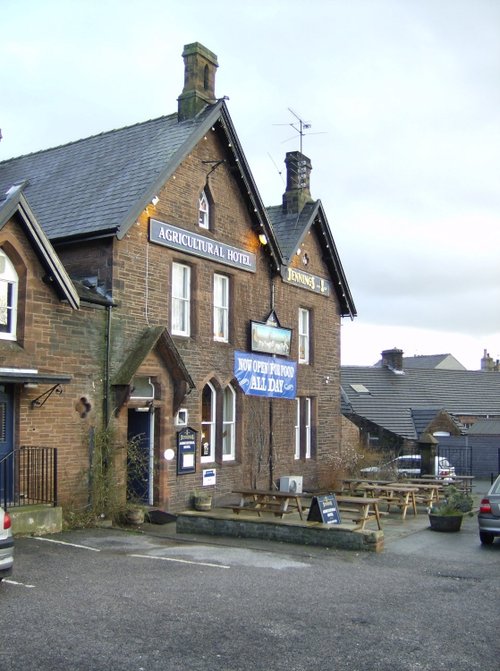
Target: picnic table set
{"type": "Point", "coordinates": [358, 501]}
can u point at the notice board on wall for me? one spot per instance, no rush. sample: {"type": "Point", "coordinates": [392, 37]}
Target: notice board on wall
{"type": "Point", "coordinates": [324, 509]}
{"type": "Point", "coordinates": [186, 450]}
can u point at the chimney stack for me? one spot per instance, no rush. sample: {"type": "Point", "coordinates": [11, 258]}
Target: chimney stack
{"type": "Point", "coordinates": [298, 173]}
{"type": "Point", "coordinates": [488, 364]}
{"type": "Point", "coordinates": [393, 359]}
{"type": "Point", "coordinates": [200, 66]}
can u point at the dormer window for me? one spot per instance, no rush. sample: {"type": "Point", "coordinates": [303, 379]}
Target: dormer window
{"type": "Point", "coordinates": [203, 211]}
{"type": "Point", "coordinates": [8, 298]}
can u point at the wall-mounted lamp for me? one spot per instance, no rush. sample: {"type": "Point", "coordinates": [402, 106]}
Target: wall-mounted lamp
{"type": "Point", "coordinates": [262, 239]}
{"type": "Point", "coordinates": [30, 385]}
{"type": "Point", "coordinates": [155, 200]}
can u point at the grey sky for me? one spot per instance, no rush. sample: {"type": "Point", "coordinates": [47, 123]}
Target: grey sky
{"type": "Point", "coordinates": [404, 101]}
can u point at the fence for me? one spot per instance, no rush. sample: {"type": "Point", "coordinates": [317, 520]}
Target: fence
{"type": "Point", "coordinates": [28, 475]}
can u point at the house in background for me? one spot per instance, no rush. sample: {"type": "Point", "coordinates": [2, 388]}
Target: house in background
{"type": "Point", "coordinates": [178, 309]}
{"type": "Point", "coordinates": [393, 407]}
{"type": "Point", "coordinates": [436, 361]}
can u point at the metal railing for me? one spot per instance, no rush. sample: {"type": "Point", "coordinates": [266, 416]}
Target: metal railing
{"type": "Point", "coordinates": [28, 475]}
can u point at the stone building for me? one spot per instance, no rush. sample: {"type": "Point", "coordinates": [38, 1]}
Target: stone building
{"type": "Point", "coordinates": [196, 321]}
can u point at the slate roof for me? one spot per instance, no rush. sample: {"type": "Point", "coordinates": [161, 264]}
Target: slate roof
{"type": "Point", "coordinates": [445, 361]}
{"type": "Point", "coordinates": [14, 205]}
{"type": "Point", "coordinates": [485, 427]}
{"type": "Point", "coordinates": [422, 417]}
{"type": "Point", "coordinates": [390, 398]}
{"type": "Point", "coordinates": [100, 184]}
{"type": "Point", "coordinates": [291, 229]}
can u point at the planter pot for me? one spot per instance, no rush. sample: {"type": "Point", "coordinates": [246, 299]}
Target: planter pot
{"type": "Point", "coordinates": [134, 516]}
{"type": "Point", "coordinates": [202, 503]}
{"type": "Point", "coordinates": [445, 522]}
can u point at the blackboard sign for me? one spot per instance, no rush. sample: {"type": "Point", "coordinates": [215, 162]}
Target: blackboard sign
{"type": "Point", "coordinates": [324, 509]}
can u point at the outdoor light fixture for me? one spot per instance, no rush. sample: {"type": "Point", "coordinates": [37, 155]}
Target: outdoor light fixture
{"type": "Point", "coordinates": [262, 239]}
{"type": "Point", "coordinates": [155, 200]}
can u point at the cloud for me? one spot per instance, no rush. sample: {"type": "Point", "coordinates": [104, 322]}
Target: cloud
{"type": "Point", "coordinates": [404, 106]}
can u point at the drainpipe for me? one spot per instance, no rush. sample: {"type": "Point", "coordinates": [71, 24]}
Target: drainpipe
{"type": "Point", "coordinates": [107, 357]}
{"type": "Point", "coordinates": [271, 446]}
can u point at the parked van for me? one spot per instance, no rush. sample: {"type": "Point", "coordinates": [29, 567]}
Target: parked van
{"type": "Point", "coordinates": [409, 465]}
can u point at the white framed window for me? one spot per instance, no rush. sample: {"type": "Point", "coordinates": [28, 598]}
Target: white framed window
{"type": "Point", "coordinates": [203, 211]}
{"type": "Point", "coordinates": [221, 308]}
{"type": "Point", "coordinates": [9, 282]}
{"type": "Point", "coordinates": [181, 299]}
{"type": "Point", "coordinates": [229, 424]}
{"type": "Point", "coordinates": [297, 428]}
{"type": "Point", "coordinates": [307, 427]}
{"type": "Point", "coordinates": [304, 335]}
{"type": "Point", "coordinates": [304, 428]}
{"type": "Point", "coordinates": [208, 423]}
{"type": "Point", "coordinates": [181, 418]}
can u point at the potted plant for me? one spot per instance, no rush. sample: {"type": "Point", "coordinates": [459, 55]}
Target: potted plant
{"type": "Point", "coordinates": [134, 514]}
{"type": "Point", "coordinates": [202, 500]}
{"type": "Point", "coordinates": [447, 515]}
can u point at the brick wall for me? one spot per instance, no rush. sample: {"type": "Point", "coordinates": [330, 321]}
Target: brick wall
{"type": "Point", "coordinates": [59, 340]}
{"type": "Point", "coordinates": [141, 275]}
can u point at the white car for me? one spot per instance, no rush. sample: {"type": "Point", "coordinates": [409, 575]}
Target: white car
{"type": "Point", "coordinates": [409, 465]}
{"type": "Point", "coordinates": [6, 545]}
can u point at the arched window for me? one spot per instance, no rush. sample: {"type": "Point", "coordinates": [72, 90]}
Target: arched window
{"type": "Point", "coordinates": [229, 424]}
{"type": "Point", "coordinates": [203, 211]}
{"type": "Point", "coordinates": [208, 422]}
{"type": "Point", "coordinates": [8, 298]}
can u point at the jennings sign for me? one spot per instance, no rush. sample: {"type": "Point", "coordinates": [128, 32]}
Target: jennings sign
{"type": "Point", "coordinates": [306, 281]}
{"type": "Point", "coordinates": [265, 376]}
{"type": "Point", "coordinates": [199, 245]}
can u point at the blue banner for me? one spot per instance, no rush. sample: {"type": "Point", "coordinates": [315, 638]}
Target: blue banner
{"type": "Point", "coordinates": [265, 376]}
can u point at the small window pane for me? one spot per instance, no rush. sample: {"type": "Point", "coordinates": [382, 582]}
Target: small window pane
{"type": "Point", "coordinates": [303, 335]}
{"type": "Point", "coordinates": [229, 424]}
{"type": "Point", "coordinates": [208, 423]}
{"type": "Point", "coordinates": [203, 211]}
{"type": "Point", "coordinates": [8, 298]}
{"type": "Point", "coordinates": [297, 428]}
{"type": "Point", "coordinates": [307, 420]}
{"type": "Point", "coordinates": [221, 308]}
{"type": "Point", "coordinates": [181, 290]}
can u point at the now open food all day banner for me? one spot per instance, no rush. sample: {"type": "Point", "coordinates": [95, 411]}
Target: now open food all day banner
{"type": "Point", "coordinates": [265, 375]}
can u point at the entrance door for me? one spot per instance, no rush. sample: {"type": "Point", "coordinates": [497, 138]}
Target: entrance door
{"type": "Point", "coordinates": [140, 456]}
{"type": "Point", "coordinates": [6, 443]}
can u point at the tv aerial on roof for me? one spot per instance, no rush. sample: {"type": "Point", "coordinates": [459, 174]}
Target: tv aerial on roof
{"type": "Point", "coordinates": [299, 126]}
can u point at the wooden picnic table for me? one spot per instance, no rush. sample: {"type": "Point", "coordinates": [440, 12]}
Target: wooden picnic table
{"type": "Point", "coordinates": [463, 482]}
{"type": "Point", "coordinates": [394, 493]}
{"type": "Point", "coordinates": [353, 484]}
{"type": "Point", "coordinates": [269, 501]}
{"type": "Point", "coordinates": [365, 508]}
{"type": "Point", "coordinates": [429, 492]}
